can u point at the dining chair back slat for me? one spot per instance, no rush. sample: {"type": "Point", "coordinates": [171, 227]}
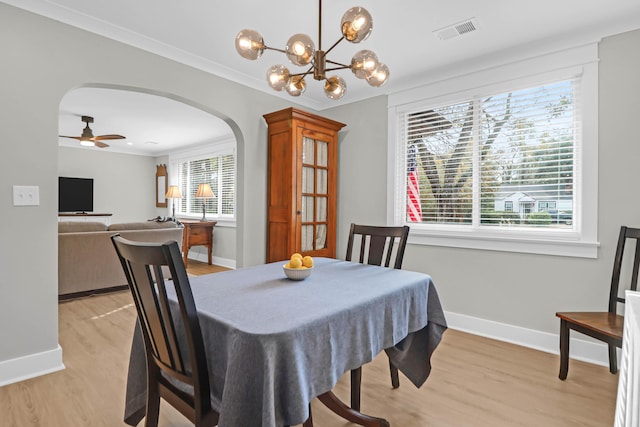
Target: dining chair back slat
{"type": "Point", "coordinates": [156, 315]}
{"type": "Point", "coordinates": [378, 243]}
{"type": "Point", "coordinates": [163, 323]}
{"type": "Point", "coordinates": [627, 234]}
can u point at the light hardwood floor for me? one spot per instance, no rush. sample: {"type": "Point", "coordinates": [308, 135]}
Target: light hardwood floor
{"type": "Point", "coordinates": [475, 381]}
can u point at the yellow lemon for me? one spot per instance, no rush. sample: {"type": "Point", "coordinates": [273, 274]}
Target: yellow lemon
{"type": "Point", "coordinates": [307, 261]}
{"type": "Point", "coordinates": [296, 255]}
{"type": "Point", "coordinates": [295, 262]}
{"type": "Point", "coordinates": [287, 265]}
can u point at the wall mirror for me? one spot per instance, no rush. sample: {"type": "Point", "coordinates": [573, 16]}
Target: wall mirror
{"type": "Point", "coordinates": [161, 186]}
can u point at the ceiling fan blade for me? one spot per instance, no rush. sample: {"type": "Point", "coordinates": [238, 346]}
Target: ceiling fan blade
{"type": "Point", "coordinates": [87, 137]}
{"type": "Point", "coordinates": [105, 137]}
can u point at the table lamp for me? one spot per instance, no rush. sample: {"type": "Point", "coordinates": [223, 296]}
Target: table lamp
{"type": "Point", "coordinates": [173, 193]}
{"type": "Point", "coordinates": [204, 192]}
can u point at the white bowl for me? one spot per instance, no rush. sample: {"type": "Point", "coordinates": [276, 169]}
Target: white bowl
{"type": "Point", "coordinates": [297, 273]}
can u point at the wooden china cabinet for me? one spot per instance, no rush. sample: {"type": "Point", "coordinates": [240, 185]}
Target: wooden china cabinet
{"type": "Point", "coordinates": [302, 184]}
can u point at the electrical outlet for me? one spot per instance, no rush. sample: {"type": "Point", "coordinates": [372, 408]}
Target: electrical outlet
{"type": "Point", "coordinates": [26, 195]}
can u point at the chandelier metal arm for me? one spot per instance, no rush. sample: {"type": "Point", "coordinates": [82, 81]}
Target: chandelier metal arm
{"type": "Point", "coordinates": [334, 45]}
{"type": "Point", "coordinates": [344, 67]}
{"type": "Point", "coordinates": [337, 63]}
{"type": "Point", "coordinates": [265, 47]}
{"type": "Point", "coordinates": [305, 73]}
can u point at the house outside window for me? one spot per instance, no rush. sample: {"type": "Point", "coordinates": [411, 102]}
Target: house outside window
{"type": "Point", "coordinates": [492, 162]}
{"type": "Point", "coordinates": [212, 164]}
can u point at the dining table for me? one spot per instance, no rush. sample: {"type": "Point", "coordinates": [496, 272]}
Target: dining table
{"type": "Point", "coordinates": [274, 344]}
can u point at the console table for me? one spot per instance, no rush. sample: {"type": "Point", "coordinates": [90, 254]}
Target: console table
{"type": "Point", "coordinates": [197, 233]}
{"type": "Point", "coordinates": [86, 217]}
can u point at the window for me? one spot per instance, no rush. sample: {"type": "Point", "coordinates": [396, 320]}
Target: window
{"type": "Point", "coordinates": [500, 165]}
{"type": "Point", "coordinates": [508, 206]}
{"type": "Point", "coordinates": [546, 206]}
{"type": "Point", "coordinates": [472, 155]}
{"type": "Point", "coordinates": [212, 164]}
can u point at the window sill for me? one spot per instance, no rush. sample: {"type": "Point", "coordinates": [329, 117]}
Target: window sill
{"type": "Point", "coordinates": [220, 222]}
{"type": "Point", "coordinates": [566, 246]}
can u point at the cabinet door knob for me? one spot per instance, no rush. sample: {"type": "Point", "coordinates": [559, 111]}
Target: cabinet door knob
{"type": "Point", "coordinates": [298, 212]}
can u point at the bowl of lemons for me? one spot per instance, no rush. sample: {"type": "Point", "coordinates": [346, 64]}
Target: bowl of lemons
{"type": "Point", "coordinates": [299, 267]}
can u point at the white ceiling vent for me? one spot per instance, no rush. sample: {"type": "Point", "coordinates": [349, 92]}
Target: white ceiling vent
{"type": "Point", "coordinates": [465, 27]}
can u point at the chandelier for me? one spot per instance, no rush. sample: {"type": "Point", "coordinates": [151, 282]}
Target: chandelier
{"type": "Point", "coordinates": [356, 26]}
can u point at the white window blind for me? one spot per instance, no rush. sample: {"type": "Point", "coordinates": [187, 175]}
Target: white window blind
{"type": "Point", "coordinates": [216, 170]}
{"type": "Point", "coordinates": [503, 160]}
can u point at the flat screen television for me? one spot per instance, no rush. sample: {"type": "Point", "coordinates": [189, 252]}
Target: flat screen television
{"type": "Point", "coordinates": [75, 194]}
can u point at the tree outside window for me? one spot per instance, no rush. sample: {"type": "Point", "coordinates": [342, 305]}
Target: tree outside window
{"type": "Point", "coordinates": [479, 159]}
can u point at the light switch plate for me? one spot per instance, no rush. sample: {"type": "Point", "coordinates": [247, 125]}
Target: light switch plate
{"type": "Point", "coordinates": [26, 195]}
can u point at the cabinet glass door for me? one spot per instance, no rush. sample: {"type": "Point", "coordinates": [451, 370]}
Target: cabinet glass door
{"type": "Point", "coordinates": [314, 194]}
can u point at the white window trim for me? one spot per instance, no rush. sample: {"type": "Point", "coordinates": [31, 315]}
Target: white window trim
{"type": "Point", "coordinates": [580, 242]}
{"type": "Point", "coordinates": [199, 152]}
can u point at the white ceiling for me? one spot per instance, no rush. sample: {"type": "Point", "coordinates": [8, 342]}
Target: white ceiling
{"type": "Point", "coordinates": [201, 33]}
{"type": "Point", "coordinates": [153, 125]}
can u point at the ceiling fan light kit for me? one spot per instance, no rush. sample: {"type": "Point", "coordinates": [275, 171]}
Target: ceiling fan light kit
{"type": "Point", "coordinates": [356, 25]}
{"type": "Point", "coordinates": [88, 140]}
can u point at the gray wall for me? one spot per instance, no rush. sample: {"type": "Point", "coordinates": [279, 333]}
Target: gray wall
{"type": "Point", "coordinates": [362, 160]}
{"type": "Point", "coordinates": [517, 289]}
{"type": "Point", "coordinates": [123, 184]}
{"type": "Point", "coordinates": [43, 59]}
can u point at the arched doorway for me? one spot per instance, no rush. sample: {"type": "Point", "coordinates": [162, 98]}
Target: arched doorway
{"type": "Point", "coordinates": [155, 125]}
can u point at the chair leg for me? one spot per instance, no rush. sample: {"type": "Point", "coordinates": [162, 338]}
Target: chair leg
{"type": "Point", "coordinates": [564, 349]}
{"type": "Point", "coordinates": [395, 380]}
{"type": "Point", "coordinates": [153, 405]}
{"type": "Point", "coordinates": [356, 380]}
{"type": "Point", "coordinates": [613, 359]}
{"type": "Point", "coordinates": [309, 422]}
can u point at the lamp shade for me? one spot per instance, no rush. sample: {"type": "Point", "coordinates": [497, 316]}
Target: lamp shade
{"type": "Point", "coordinates": [356, 24]}
{"type": "Point", "coordinates": [363, 63]}
{"type": "Point", "coordinates": [250, 44]}
{"type": "Point", "coordinates": [277, 77]}
{"type": "Point", "coordinates": [204, 191]}
{"type": "Point", "coordinates": [295, 85]}
{"type": "Point", "coordinates": [173, 192]}
{"type": "Point", "coordinates": [335, 87]}
{"type": "Point", "coordinates": [379, 76]}
{"type": "Point", "coordinates": [300, 49]}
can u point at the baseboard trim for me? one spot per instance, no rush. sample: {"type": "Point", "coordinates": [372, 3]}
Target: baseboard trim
{"type": "Point", "coordinates": [590, 352]}
{"type": "Point", "coordinates": [82, 294]}
{"type": "Point", "coordinates": [223, 262]}
{"type": "Point", "coordinates": [31, 366]}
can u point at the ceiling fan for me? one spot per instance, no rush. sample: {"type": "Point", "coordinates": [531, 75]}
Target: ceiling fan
{"type": "Point", "coordinates": [87, 138]}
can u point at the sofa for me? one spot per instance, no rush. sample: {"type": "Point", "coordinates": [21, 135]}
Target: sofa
{"type": "Point", "coordinates": [87, 261]}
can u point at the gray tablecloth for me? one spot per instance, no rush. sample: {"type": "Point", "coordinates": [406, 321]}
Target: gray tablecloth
{"type": "Point", "coordinates": [274, 344]}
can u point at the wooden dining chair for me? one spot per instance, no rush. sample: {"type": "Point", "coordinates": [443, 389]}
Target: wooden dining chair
{"type": "Point", "coordinates": [377, 246]}
{"type": "Point", "coordinates": [168, 363]}
{"type": "Point", "coordinates": [607, 325]}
